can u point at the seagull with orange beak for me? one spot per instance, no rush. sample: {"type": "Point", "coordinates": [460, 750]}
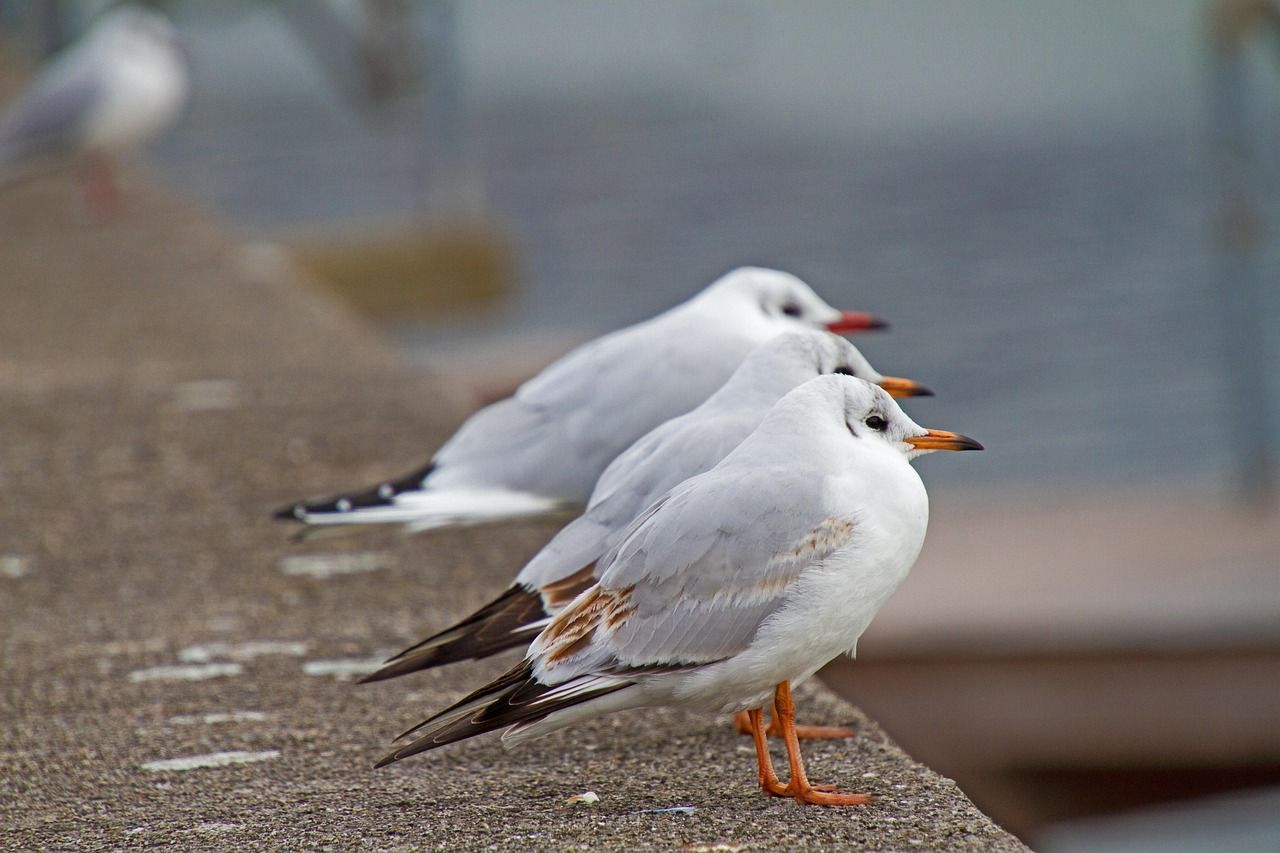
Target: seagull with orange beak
{"type": "Point", "coordinates": [669, 454]}
{"type": "Point", "coordinates": [542, 450]}
{"type": "Point", "coordinates": [733, 586]}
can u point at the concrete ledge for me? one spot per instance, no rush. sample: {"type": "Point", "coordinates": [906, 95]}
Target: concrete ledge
{"type": "Point", "coordinates": [174, 671]}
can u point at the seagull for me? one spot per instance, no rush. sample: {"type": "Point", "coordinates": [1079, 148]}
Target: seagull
{"type": "Point", "coordinates": [667, 455]}
{"type": "Point", "coordinates": [119, 85]}
{"type": "Point", "coordinates": [733, 586]}
{"type": "Point", "coordinates": [542, 450]}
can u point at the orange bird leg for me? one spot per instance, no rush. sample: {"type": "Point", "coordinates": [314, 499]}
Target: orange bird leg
{"type": "Point", "coordinates": [768, 778]}
{"type": "Point", "coordinates": [742, 723]}
{"type": "Point", "coordinates": [784, 712]}
{"type": "Point", "coordinates": [101, 189]}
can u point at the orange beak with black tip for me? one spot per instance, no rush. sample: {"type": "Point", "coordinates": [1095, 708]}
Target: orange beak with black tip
{"type": "Point", "coordinates": [941, 439]}
{"type": "Point", "coordinates": [899, 387]}
{"type": "Point", "coordinates": [856, 321]}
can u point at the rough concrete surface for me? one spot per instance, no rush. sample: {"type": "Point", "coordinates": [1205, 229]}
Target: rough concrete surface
{"type": "Point", "coordinates": [161, 390]}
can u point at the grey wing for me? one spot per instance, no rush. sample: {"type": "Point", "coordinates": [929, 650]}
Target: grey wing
{"type": "Point", "coordinates": [574, 548]}
{"type": "Point", "coordinates": [539, 438]}
{"type": "Point", "coordinates": [628, 478]}
{"type": "Point", "coordinates": [49, 117]}
{"type": "Point", "coordinates": [709, 564]}
{"type": "Point", "coordinates": [623, 491]}
{"type": "Point", "coordinates": [649, 372]}
{"type": "Point", "coordinates": [667, 455]}
{"type": "Point", "coordinates": [508, 426]}
{"type": "Point", "coordinates": [571, 379]}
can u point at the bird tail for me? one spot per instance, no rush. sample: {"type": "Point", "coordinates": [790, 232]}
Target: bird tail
{"type": "Point", "coordinates": [348, 504]}
{"type": "Point", "coordinates": [511, 620]}
{"type": "Point", "coordinates": [514, 700]}
{"type": "Point", "coordinates": [409, 501]}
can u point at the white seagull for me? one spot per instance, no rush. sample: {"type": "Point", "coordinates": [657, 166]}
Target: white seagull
{"type": "Point", "coordinates": [119, 85]}
{"type": "Point", "coordinates": [666, 456]}
{"type": "Point", "coordinates": [734, 585]}
{"type": "Point", "coordinates": [541, 450]}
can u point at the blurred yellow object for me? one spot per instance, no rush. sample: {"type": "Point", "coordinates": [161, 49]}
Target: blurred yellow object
{"type": "Point", "coordinates": [412, 274]}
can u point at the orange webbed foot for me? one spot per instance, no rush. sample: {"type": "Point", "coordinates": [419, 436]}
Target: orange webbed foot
{"type": "Point", "coordinates": [827, 795]}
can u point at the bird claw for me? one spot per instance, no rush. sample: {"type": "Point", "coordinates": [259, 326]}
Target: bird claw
{"type": "Point", "coordinates": [818, 795]}
{"type": "Point", "coordinates": [775, 789]}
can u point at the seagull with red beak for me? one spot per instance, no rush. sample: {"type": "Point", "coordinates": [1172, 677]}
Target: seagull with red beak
{"type": "Point", "coordinates": [542, 450]}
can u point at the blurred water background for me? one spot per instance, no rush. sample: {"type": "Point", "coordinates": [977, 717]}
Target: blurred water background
{"type": "Point", "coordinates": [1026, 190]}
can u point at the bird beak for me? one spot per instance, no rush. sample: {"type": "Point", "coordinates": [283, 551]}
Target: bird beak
{"type": "Point", "coordinates": [941, 439]}
{"type": "Point", "coordinates": [899, 387]}
{"type": "Point", "coordinates": [856, 321]}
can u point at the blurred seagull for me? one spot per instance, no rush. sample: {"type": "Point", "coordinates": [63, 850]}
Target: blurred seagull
{"type": "Point", "coordinates": [734, 585]}
{"type": "Point", "coordinates": [541, 450]}
{"type": "Point", "coordinates": [666, 456]}
{"type": "Point", "coordinates": [119, 85]}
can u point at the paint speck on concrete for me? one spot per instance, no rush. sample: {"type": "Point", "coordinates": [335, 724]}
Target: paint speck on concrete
{"type": "Point", "coordinates": [130, 647]}
{"type": "Point", "coordinates": [223, 624]}
{"type": "Point", "coordinates": [248, 650]}
{"type": "Point", "coordinates": [206, 395]}
{"type": "Point", "coordinates": [195, 672]}
{"type": "Point", "coordinates": [212, 759]}
{"type": "Point", "coordinates": [219, 718]}
{"type": "Point", "coordinates": [342, 668]}
{"type": "Point", "coordinates": [14, 566]}
{"type": "Point", "coordinates": [325, 566]}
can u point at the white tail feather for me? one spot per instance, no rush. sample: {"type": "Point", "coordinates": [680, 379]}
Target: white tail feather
{"type": "Point", "coordinates": [428, 509]}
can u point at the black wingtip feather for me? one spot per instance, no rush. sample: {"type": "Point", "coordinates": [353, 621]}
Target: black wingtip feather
{"type": "Point", "coordinates": [292, 512]}
{"type": "Point", "coordinates": [509, 705]}
{"type": "Point", "coordinates": [500, 625]}
{"type": "Point", "coordinates": [382, 494]}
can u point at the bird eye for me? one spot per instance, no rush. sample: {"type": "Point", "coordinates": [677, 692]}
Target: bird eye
{"type": "Point", "coordinates": [876, 423]}
{"type": "Point", "coordinates": [844, 370]}
{"type": "Point", "coordinates": [791, 309]}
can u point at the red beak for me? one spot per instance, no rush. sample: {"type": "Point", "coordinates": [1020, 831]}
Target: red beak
{"type": "Point", "coordinates": [856, 321]}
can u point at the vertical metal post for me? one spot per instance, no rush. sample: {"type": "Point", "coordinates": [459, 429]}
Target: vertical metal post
{"type": "Point", "coordinates": [451, 190]}
{"type": "Point", "coordinates": [1241, 232]}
